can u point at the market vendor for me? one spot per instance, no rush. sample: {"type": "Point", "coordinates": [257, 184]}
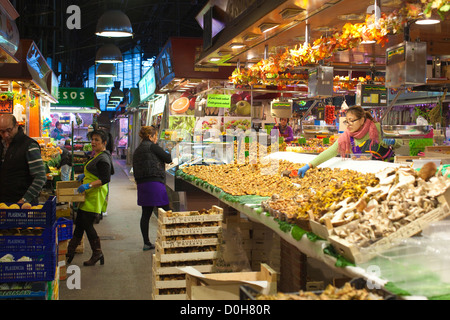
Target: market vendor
{"type": "Point", "coordinates": [58, 132]}
{"type": "Point", "coordinates": [363, 135]}
{"type": "Point", "coordinates": [284, 130]}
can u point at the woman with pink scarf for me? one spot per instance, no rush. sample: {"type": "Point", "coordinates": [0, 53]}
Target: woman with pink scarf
{"type": "Point", "coordinates": [363, 134]}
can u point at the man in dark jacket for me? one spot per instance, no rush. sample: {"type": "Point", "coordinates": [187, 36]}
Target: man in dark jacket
{"type": "Point", "coordinates": [22, 171]}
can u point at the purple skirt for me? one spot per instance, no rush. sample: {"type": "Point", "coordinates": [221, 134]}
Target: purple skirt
{"type": "Point", "coordinates": [152, 193]}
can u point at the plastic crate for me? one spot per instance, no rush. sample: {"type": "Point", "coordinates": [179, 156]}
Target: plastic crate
{"type": "Point", "coordinates": [29, 241]}
{"type": "Point", "coordinates": [42, 266]}
{"type": "Point", "coordinates": [65, 229]}
{"type": "Point", "coordinates": [24, 290]}
{"type": "Point", "coordinates": [45, 217]}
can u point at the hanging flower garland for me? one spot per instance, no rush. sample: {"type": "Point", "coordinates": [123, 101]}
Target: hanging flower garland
{"type": "Point", "coordinates": [275, 70]}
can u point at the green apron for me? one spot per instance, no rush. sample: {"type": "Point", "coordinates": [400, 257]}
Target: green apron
{"type": "Point", "coordinates": [95, 197]}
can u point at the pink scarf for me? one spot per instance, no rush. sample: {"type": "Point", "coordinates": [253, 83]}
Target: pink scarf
{"type": "Point", "coordinates": [344, 145]}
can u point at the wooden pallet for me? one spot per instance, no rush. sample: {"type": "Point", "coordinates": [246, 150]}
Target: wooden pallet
{"type": "Point", "coordinates": [163, 256]}
{"type": "Point", "coordinates": [165, 243]}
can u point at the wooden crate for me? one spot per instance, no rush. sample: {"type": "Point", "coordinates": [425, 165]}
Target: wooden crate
{"type": "Point", "coordinates": [225, 286]}
{"type": "Point", "coordinates": [66, 191]}
{"type": "Point", "coordinates": [165, 243]}
{"type": "Point", "coordinates": [163, 256]}
{"type": "Point", "coordinates": [165, 218]}
{"type": "Point", "coordinates": [165, 230]}
{"type": "Point", "coordinates": [358, 255]}
{"type": "Point", "coordinates": [437, 149]}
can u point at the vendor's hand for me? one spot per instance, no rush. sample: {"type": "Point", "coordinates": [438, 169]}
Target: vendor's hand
{"type": "Point", "coordinates": [80, 177]}
{"type": "Point", "coordinates": [302, 170]}
{"type": "Point", "coordinates": [389, 142]}
{"type": "Point", "coordinates": [83, 188]}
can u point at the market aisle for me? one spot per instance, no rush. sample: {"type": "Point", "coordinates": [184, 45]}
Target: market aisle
{"type": "Point", "coordinates": [126, 274]}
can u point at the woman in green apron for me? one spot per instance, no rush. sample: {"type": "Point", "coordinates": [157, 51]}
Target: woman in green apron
{"type": "Point", "coordinates": [96, 176]}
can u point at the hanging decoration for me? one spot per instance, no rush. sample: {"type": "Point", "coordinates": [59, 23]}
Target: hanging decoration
{"type": "Point", "coordinates": [277, 70]}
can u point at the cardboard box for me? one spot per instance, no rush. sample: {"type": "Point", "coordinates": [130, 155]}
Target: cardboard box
{"type": "Point", "coordinates": [225, 286]}
{"type": "Point", "coordinates": [66, 191]}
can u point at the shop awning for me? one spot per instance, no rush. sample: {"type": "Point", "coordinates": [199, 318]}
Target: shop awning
{"type": "Point", "coordinates": [32, 68]}
{"type": "Point", "coordinates": [9, 35]}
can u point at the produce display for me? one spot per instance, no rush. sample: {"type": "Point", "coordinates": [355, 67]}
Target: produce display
{"type": "Point", "coordinates": [24, 205]}
{"type": "Point", "coordinates": [49, 151]}
{"type": "Point", "coordinates": [21, 232]}
{"type": "Point", "coordinates": [402, 196]}
{"type": "Point", "coordinates": [330, 293]}
{"type": "Point", "coordinates": [313, 145]}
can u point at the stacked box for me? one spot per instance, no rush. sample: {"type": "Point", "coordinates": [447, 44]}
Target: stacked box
{"type": "Point", "coordinates": [184, 239]}
{"type": "Point", "coordinates": [265, 247]}
{"type": "Point", "coordinates": [28, 247]}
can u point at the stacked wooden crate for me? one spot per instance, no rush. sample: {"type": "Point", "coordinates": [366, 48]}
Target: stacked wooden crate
{"type": "Point", "coordinates": [184, 239]}
{"type": "Point", "coordinates": [265, 247]}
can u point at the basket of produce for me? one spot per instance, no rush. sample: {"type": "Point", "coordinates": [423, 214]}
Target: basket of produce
{"type": "Point", "coordinates": [27, 239]}
{"type": "Point", "coordinates": [42, 215]}
{"type": "Point", "coordinates": [65, 229]}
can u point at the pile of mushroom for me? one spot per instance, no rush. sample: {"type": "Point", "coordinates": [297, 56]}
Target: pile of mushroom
{"type": "Point", "coordinates": [402, 196]}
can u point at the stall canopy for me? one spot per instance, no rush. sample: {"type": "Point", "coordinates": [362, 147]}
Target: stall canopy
{"type": "Point", "coordinates": [75, 100]}
{"type": "Point", "coordinates": [9, 34]}
{"type": "Point", "coordinates": [31, 68]}
{"type": "Point", "coordinates": [176, 61]}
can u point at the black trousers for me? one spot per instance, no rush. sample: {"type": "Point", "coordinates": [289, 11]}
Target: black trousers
{"type": "Point", "coordinates": [85, 222]}
{"type": "Point", "coordinates": [145, 221]}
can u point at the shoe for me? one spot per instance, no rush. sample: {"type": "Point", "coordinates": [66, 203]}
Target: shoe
{"type": "Point", "coordinates": [71, 247]}
{"type": "Point", "coordinates": [148, 246]}
{"type": "Point", "coordinates": [97, 254]}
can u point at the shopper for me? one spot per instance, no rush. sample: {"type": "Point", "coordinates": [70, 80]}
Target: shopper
{"type": "Point", "coordinates": [96, 176]}
{"type": "Point", "coordinates": [58, 132]}
{"type": "Point", "coordinates": [66, 162]}
{"type": "Point", "coordinates": [149, 173]}
{"type": "Point", "coordinates": [284, 130]}
{"type": "Point", "coordinates": [22, 171]}
{"type": "Point", "coordinates": [362, 135]}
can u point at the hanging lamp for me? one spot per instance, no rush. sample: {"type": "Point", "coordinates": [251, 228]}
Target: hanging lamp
{"type": "Point", "coordinates": [108, 53]}
{"type": "Point", "coordinates": [107, 70]}
{"type": "Point", "coordinates": [114, 24]}
{"type": "Point", "coordinates": [104, 82]}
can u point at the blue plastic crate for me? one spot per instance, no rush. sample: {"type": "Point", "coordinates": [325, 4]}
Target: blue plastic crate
{"type": "Point", "coordinates": [45, 217]}
{"type": "Point", "coordinates": [29, 240]}
{"type": "Point", "coordinates": [65, 229]}
{"type": "Point", "coordinates": [42, 266]}
{"type": "Point", "coordinates": [24, 290]}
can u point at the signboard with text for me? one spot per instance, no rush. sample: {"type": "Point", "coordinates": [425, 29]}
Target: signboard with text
{"type": "Point", "coordinates": [75, 97]}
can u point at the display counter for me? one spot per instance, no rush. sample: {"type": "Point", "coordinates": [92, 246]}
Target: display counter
{"type": "Point", "coordinates": [306, 242]}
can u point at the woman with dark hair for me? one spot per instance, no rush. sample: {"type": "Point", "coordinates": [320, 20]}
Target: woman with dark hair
{"type": "Point", "coordinates": [284, 130]}
{"type": "Point", "coordinates": [149, 173]}
{"type": "Point", "coordinates": [96, 176]}
{"type": "Point", "coordinates": [58, 132]}
{"type": "Point", "coordinates": [362, 135]}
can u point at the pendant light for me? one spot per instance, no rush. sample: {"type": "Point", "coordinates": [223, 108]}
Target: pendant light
{"type": "Point", "coordinates": [114, 24]}
{"type": "Point", "coordinates": [106, 70]}
{"type": "Point", "coordinates": [108, 53]}
{"type": "Point", "coordinates": [104, 82]}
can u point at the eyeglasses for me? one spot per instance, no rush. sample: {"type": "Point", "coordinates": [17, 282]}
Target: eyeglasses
{"type": "Point", "coordinates": [347, 122]}
{"type": "Point", "coordinates": [7, 130]}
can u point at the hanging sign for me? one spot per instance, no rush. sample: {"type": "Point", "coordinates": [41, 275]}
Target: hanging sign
{"type": "Point", "coordinates": [281, 109]}
{"type": "Point", "coordinates": [75, 97]}
{"type": "Point", "coordinates": [219, 101]}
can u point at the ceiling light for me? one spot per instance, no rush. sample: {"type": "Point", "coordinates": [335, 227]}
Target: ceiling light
{"type": "Point", "coordinates": [107, 70]}
{"type": "Point", "coordinates": [236, 45]}
{"type": "Point", "coordinates": [108, 53]}
{"type": "Point", "coordinates": [351, 17]}
{"type": "Point", "coordinates": [290, 12]}
{"type": "Point", "coordinates": [104, 82]}
{"type": "Point", "coordinates": [251, 36]}
{"type": "Point", "coordinates": [116, 92]}
{"type": "Point", "coordinates": [224, 53]}
{"type": "Point", "coordinates": [433, 19]}
{"type": "Point", "coordinates": [267, 26]}
{"type": "Point", "coordinates": [114, 24]}
{"type": "Point", "coordinates": [214, 59]}
{"type": "Point", "coordinates": [102, 90]}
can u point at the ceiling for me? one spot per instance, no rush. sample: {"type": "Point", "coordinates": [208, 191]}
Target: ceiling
{"type": "Point", "coordinates": [323, 18]}
{"type": "Point", "coordinates": [153, 22]}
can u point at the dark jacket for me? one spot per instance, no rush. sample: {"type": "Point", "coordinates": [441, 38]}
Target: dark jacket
{"type": "Point", "coordinates": [15, 177]}
{"type": "Point", "coordinates": [66, 157]}
{"type": "Point", "coordinates": [148, 162]}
